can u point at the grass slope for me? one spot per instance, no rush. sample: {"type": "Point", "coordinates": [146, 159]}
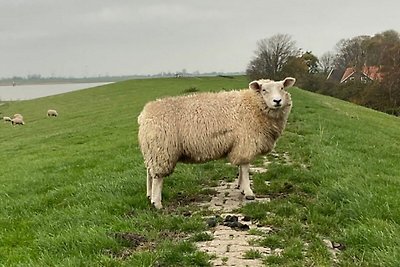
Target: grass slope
{"type": "Point", "coordinates": [72, 188]}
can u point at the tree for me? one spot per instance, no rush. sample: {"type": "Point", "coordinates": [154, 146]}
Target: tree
{"type": "Point", "coordinates": [271, 56]}
{"type": "Point", "coordinates": [351, 52]}
{"type": "Point", "coordinates": [378, 45]}
{"type": "Point", "coordinates": [300, 66]}
{"type": "Point", "coordinates": [295, 67]}
{"type": "Point", "coordinates": [326, 62]}
{"type": "Point", "coordinates": [391, 75]}
{"type": "Point", "coordinates": [311, 61]}
{"type": "Point", "coordinates": [383, 50]}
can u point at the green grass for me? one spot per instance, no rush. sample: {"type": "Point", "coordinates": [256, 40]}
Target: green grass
{"type": "Point", "coordinates": [252, 254]}
{"type": "Point", "coordinates": [72, 188]}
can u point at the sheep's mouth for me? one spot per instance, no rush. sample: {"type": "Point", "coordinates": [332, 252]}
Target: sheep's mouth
{"type": "Point", "coordinates": [276, 106]}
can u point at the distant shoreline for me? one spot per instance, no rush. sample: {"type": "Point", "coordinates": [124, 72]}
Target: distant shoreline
{"type": "Point", "coordinates": [23, 82]}
{"type": "Point", "coordinates": [33, 91]}
{"type": "Point", "coordinates": [50, 83]}
{"type": "Point", "coordinates": [39, 80]}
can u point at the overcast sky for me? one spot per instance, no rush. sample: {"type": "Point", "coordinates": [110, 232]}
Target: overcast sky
{"type": "Point", "coordinates": [124, 37]}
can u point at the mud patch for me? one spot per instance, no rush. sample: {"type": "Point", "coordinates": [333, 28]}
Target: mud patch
{"type": "Point", "coordinates": [132, 239]}
{"type": "Point", "coordinates": [183, 199]}
{"type": "Point", "coordinates": [131, 243]}
{"type": "Point", "coordinates": [171, 235]}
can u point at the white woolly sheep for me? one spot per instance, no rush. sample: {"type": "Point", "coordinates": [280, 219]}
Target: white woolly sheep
{"type": "Point", "coordinates": [238, 125]}
{"type": "Point", "coordinates": [52, 113]}
{"type": "Point", "coordinates": [6, 119]}
{"type": "Point", "coordinates": [17, 115]}
{"type": "Point", "coordinates": [17, 120]}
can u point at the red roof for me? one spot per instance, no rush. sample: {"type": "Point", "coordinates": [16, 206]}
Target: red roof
{"type": "Point", "coordinates": [372, 72]}
{"type": "Point", "coordinates": [347, 73]}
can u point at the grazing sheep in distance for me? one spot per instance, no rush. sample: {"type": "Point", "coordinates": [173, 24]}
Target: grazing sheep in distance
{"type": "Point", "coordinates": [238, 125]}
{"type": "Point", "coordinates": [17, 115]}
{"type": "Point", "coordinates": [6, 119]}
{"type": "Point", "coordinates": [17, 120]}
{"type": "Point", "coordinates": [52, 113]}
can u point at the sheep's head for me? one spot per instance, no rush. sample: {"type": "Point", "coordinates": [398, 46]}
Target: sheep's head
{"type": "Point", "coordinates": [274, 93]}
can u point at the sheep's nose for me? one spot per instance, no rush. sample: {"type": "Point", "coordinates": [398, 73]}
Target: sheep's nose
{"type": "Point", "coordinates": [277, 102]}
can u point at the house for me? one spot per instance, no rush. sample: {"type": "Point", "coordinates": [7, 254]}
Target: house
{"type": "Point", "coordinates": [366, 74]}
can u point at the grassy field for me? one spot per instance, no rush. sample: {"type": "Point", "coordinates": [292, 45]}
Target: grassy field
{"type": "Point", "coordinates": [72, 188]}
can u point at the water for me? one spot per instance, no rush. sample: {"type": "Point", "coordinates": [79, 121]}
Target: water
{"type": "Point", "coordinates": [26, 92]}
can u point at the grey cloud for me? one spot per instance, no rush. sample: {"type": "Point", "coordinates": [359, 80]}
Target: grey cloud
{"type": "Point", "coordinates": [91, 37]}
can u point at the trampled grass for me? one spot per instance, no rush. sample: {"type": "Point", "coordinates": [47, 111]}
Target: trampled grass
{"type": "Point", "coordinates": [72, 188]}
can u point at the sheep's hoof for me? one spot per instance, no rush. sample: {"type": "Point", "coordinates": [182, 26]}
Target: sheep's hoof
{"type": "Point", "coordinates": [250, 197]}
{"type": "Point", "coordinates": [157, 205]}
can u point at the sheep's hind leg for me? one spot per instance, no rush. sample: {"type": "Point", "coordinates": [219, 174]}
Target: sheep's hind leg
{"type": "Point", "coordinates": [156, 192]}
{"type": "Point", "coordinates": [244, 181]}
{"type": "Point", "coordinates": [149, 184]}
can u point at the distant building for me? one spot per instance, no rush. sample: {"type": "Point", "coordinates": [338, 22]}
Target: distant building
{"type": "Point", "coordinates": [366, 74]}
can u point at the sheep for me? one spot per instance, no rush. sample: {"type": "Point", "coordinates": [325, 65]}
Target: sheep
{"type": "Point", "coordinates": [237, 125]}
{"type": "Point", "coordinates": [6, 119]}
{"type": "Point", "coordinates": [52, 112]}
{"type": "Point", "coordinates": [17, 120]}
{"type": "Point", "coordinates": [17, 115]}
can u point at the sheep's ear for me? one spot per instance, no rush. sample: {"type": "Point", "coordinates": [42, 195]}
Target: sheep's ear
{"type": "Point", "coordinates": [288, 82]}
{"type": "Point", "coordinates": [255, 86]}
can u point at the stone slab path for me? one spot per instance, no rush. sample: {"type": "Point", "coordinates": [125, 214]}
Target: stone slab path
{"type": "Point", "coordinates": [229, 245]}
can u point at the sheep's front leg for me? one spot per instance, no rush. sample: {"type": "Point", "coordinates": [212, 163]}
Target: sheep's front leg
{"type": "Point", "coordinates": [244, 181]}
{"type": "Point", "coordinates": [240, 178]}
{"type": "Point", "coordinates": [156, 192]}
{"type": "Point", "coordinates": [149, 184]}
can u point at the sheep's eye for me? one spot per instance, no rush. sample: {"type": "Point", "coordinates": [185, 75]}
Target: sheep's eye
{"type": "Point", "coordinates": [263, 90]}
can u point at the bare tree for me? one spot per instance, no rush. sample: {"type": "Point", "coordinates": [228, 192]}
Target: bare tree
{"type": "Point", "coordinates": [351, 52]}
{"type": "Point", "coordinates": [271, 56]}
{"type": "Point", "coordinates": [326, 62]}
